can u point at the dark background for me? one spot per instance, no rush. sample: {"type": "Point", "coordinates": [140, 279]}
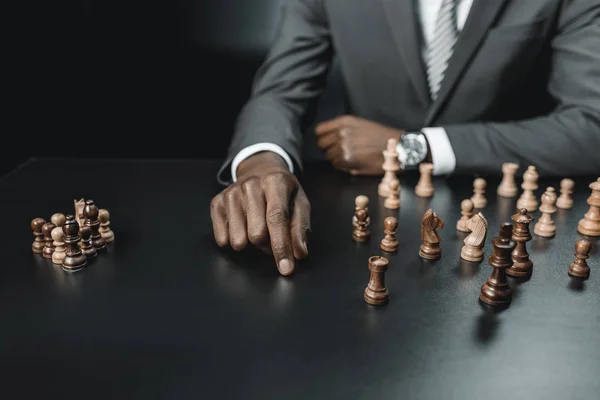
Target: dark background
{"type": "Point", "coordinates": [134, 78]}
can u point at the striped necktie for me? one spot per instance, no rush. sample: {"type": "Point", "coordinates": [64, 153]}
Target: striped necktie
{"type": "Point", "coordinates": [442, 45]}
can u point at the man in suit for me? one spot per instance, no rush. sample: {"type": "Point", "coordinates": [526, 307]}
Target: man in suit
{"type": "Point", "coordinates": [464, 84]}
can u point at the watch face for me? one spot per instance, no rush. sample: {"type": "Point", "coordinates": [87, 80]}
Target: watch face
{"type": "Point", "coordinates": [414, 150]}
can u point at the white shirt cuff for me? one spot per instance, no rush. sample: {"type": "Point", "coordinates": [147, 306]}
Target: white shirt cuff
{"type": "Point", "coordinates": [442, 155]}
{"type": "Point", "coordinates": [257, 148]}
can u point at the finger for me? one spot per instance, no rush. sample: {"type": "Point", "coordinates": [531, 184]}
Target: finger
{"type": "Point", "coordinates": [327, 140]}
{"type": "Point", "coordinates": [300, 225]}
{"type": "Point", "coordinates": [277, 194]}
{"type": "Point", "coordinates": [236, 220]}
{"type": "Point", "coordinates": [333, 153]}
{"type": "Point", "coordinates": [219, 221]}
{"type": "Point", "coordinates": [333, 124]}
{"type": "Point", "coordinates": [256, 205]}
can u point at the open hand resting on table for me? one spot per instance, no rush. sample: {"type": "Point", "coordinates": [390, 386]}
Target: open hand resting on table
{"type": "Point", "coordinates": [266, 207]}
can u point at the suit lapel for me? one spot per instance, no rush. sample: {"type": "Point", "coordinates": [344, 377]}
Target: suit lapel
{"type": "Point", "coordinates": [404, 24]}
{"type": "Point", "coordinates": [481, 16]}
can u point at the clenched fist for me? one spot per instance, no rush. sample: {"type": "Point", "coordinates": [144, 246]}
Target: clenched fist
{"type": "Point", "coordinates": [266, 208]}
{"type": "Point", "coordinates": [355, 145]}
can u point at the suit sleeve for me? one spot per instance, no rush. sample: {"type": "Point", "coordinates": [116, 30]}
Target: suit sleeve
{"type": "Point", "coordinates": [287, 85]}
{"type": "Point", "coordinates": [565, 142]}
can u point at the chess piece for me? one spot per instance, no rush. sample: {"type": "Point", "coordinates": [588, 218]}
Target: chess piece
{"type": "Point", "coordinates": [392, 202]}
{"type": "Point", "coordinates": [529, 186]}
{"type": "Point", "coordinates": [74, 259]}
{"type": "Point", "coordinates": [391, 166]}
{"type": "Point", "coordinates": [425, 187]}
{"type": "Point", "coordinates": [589, 225]}
{"type": "Point", "coordinates": [579, 268]}
{"type": "Point", "coordinates": [522, 265]}
{"type": "Point", "coordinates": [376, 293]}
{"type": "Point", "coordinates": [85, 233]}
{"type": "Point", "coordinates": [474, 243]}
{"type": "Point", "coordinates": [546, 227]}
{"type": "Point", "coordinates": [38, 244]}
{"type": "Point", "coordinates": [361, 232]}
{"type": "Point", "coordinates": [565, 201]}
{"type": "Point", "coordinates": [104, 217]}
{"type": "Point", "coordinates": [430, 248]}
{"type": "Point", "coordinates": [508, 187]}
{"type": "Point", "coordinates": [79, 213]}
{"type": "Point", "coordinates": [389, 243]}
{"type": "Point", "coordinates": [48, 245]}
{"type": "Point", "coordinates": [90, 213]}
{"type": "Point", "coordinates": [361, 202]}
{"type": "Point", "coordinates": [496, 291]}
{"type": "Point", "coordinates": [466, 210]}
{"type": "Point", "coordinates": [58, 219]}
{"type": "Point", "coordinates": [478, 198]}
{"type": "Point", "coordinates": [58, 237]}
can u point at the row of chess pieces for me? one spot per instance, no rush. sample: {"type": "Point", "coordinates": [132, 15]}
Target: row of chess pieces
{"type": "Point", "coordinates": [69, 241]}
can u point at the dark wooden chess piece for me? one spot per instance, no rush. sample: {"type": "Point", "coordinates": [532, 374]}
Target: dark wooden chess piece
{"type": "Point", "coordinates": [376, 293]}
{"type": "Point", "coordinates": [90, 212]}
{"type": "Point", "coordinates": [389, 243]}
{"type": "Point", "coordinates": [579, 268]}
{"type": "Point", "coordinates": [589, 225]}
{"type": "Point", "coordinates": [74, 259]}
{"type": "Point", "coordinates": [522, 265]}
{"type": "Point", "coordinates": [431, 249]}
{"type": "Point", "coordinates": [496, 291]}
{"type": "Point", "coordinates": [39, 243]}
{"type": "Point", "coordinates": [85, 233]}
{"type": "Point", "coordinates": [49, 243]}
{"type": "Point", "coordinates": [361, 232]}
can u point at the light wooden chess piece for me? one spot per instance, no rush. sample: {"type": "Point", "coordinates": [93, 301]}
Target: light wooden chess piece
{"type": "Point", "coordinates": [389, 243]}
{"type": "Point", "coordinates": [508, 187]}
{"type": "Point", "coordinates": [496, 291]}
{"type": "Point", "coordinates": [58, 219]}
{"type": "Point", "coordinates": [546, 227]}
{"type": "Point", "coordinates": [466, 210]}
{"type": "Point", "coordinates": [474, 243]}
{"type": "Point", "coordinates": [580, 268]}
{"type": "Point", "coordinates": [565, 201]}
{"type": "Point", "coordinates": [430, 248]}
{"type": "Point", "coordinates": [529, 186]}
{"type": "Point", "coordinates": [589, 225]}
{"type": "Point", "coordinates": [58, 237]}
{"type": "Point", "coordinates": [361, 202]}
{"type": "Point", "coordinates": [376, 293]}
{"type": "Point", "coordinates": [104, 229]}
{"type": "Point", "coordinates": [478, 198]}
{"type": "Point", "coordinates": [79, 207]}
{"type": "Point", "coordinates": [425, 187]}
{"type": "Point", "coordinates": [392, 202]}
{"type": "Point", "coordinates": [391, 166]}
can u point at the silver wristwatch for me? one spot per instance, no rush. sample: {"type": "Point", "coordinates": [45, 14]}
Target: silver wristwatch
{"type": "Point", "coordinates": [412, 150]}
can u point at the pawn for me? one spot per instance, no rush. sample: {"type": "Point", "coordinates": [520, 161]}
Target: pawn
{"type": "Point", "coordinates": [361, 202]}
{"type": "Point", "coordinates": [474, 243]}
{"type": "Point", "coordinates": [74, 259]}
{"type": "Point", "coordinates": [529, 186]}
{"type": "Point", "coordinates": [579, 268]}
{"type": "Point", "coordinates": [496, 291]}
{"type": "Point", "coordinates": [546, 227]}
{"type": "Point", "coordinates": [38, 244]}
{"type": "Point", "coordinates": [389, 243]}
{"type": "Point", "coordinates": [90, 213]}
{"type": "Point", "coordinates": [589, 225]}
{"type": "Point", "coordinates": [58, 237]}
{"type": "Point", "coordinates": [48, 246]}
{"type": "Point", "coordinates": [392, 202]}
{"type": "Point", "coordinates": [508, 187]}
{"type": "Point", "coordinates": [361, 232]}
{"type": "Point", "coordinates": [58, 219]}
{"type": "Point", "coordinates": [478, 199]}
{"type": "Point", "coordinates": [425, 187]}
{"type": "Point", "coordinates": [85, 233]}
{"type": "Point", "coordinates": [376, 293]}
{"type": "Point", "coordinates": [565, 201]}
{"type": "Point", "coordinates": [105, 231]}
{"type": "Point", "coordinates": [466, 207]}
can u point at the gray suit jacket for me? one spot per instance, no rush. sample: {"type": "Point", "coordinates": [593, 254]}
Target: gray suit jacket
{"type": "Point", "coordinates": [523, 84]}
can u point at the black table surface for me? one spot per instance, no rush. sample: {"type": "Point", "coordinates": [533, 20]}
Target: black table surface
{"type": "Point", "coordinates": [165, 314]}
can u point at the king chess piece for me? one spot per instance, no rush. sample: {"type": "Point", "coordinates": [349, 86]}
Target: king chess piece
{"type": "Point", "coordinates": [496, 291]}
{"type": "Point", "coordinates": [430, 248]}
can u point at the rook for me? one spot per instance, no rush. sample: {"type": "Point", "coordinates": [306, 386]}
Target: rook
{"type": "Point", "coordinates": [376, 293]}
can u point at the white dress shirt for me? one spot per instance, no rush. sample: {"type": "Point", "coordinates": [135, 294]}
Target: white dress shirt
{"type": "Point", "coordinates": [442, 154]}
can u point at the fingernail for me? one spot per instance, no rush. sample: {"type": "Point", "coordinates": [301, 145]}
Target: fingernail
{"type": "Point", "coordinates": [305, 247]}
{"type": "Point", "coordinates": [285, 267]}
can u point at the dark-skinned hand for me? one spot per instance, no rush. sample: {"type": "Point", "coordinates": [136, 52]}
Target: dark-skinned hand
{"type": "Point", "coordinates": [266, 208]}
{"type": "Point", "coordinates": [355, 145]}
